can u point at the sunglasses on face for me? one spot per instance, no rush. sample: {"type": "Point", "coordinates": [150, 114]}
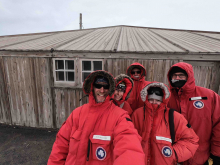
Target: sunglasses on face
{"type": "Point", "coordinates": [133, 72]}
{"type": "Point", "coordinates": [99, 86]}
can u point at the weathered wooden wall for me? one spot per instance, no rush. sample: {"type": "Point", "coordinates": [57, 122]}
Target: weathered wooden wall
{"type": "Point", "coordinates": [28, 85]}
{"type": "Point", "coordinates": [28, 96]}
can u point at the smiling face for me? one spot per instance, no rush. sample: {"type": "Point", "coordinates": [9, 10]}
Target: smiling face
{"type": "Point", "coordinates": [118, 94]}
{"type": "Point", "coordinates": [136, 72]}
{"type": "Point", "coordinates": [101, 91]}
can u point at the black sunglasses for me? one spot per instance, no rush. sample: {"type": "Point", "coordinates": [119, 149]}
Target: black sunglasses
{"type": "Point", "coordinates": [99, 86]}
{"type": "Point", "coordinates": [157, 92]}
{"type": "Point", "coordinates": [138, 72]}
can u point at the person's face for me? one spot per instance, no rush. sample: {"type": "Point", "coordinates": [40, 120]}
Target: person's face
{"type": "Point", "coordinates": [179, 76]}
{"type": "Point", "coordinates": [118, 94]}
{"type": "Point", "coordinates": [101, 91]}
{"type": "Point", "coordinates": [136, 72]}
{"type": "Point", "coordinates": [154, 101]}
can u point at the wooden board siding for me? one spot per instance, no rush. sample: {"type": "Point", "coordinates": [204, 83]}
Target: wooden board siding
{"type": "Point", "coordinates": [66, 100]}
{"type": "Point", "coordinates": [28, 96]}
{"type": "Point", "coordinates": [5, 113]}
{"type": "Point", "coordinates": [29, 91]}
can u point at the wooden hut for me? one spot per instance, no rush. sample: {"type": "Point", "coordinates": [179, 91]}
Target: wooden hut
{"type": "Point", "coordinates": [41, 74]}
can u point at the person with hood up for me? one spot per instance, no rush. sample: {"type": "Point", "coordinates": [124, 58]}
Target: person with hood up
{"type": "Point", "coordinates": [98, 132]}
{"type": "Point", "coordinates": [124, 85]}
{"type": "Point", "coordinates": [201, 108]}
{"type": "Point", "coordinates": [152, 123]}
{"type": "Point", "coordinates": [137, 72]}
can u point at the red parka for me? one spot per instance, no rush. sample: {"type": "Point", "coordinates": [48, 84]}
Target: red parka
{"type": "Point", "coordinates": [153, 126]}
{"type": "Point", "coordinates": [135, 99]}
{"type": "Point", "coordinates": [97, 133]}
{"type": "Point", "coordinates": [201, 107]}
{"type": "Point", "coordinates": [129, 85]}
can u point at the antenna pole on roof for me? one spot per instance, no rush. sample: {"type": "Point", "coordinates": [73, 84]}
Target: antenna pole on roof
{"type": "Point", "coordinates": [80, 21]}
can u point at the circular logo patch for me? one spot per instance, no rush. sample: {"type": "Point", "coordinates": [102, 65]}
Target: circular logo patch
{"type": "Point", "coordinates": [166, 151]}
{"type": "Point", "coordinates": [100, 153]}
{"type": "Point", "coordinates": [198, 104]}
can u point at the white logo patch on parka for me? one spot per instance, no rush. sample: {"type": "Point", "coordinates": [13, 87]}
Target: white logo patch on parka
{"type": "Point", "coordinates": [167, 151]}
{"type": "Point", "coordinates": [198, 104]}
{"type": "Point", "coordinates": [100, 153]}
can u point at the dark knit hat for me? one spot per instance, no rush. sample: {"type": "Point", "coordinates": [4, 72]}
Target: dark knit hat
{"type": "Point", "coordinates": [176, 69]}
{"type": "Point", "coordinates": [102, 79]}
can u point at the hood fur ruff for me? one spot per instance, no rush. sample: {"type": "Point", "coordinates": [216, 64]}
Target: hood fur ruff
{"type": "Point", "coordinates": [88, 83]}
{"type": "Point", "coordinates": [155, 84]}
{"type": "Point", "coordinates": [120, 77]}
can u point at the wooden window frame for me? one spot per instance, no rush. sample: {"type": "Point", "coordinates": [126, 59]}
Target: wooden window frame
{"type": "Point", "coordinates": [65, 83]}
{"type": "Point", "coordinates": [80, 68]}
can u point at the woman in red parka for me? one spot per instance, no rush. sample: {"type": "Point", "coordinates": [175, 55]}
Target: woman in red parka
{"type": "Point", "coordinates": [97, 133]}
{"type": "Point", "coordinates": [152, 123]}
{"type": "Point", "coordinates": [137, 72]}
{"type": "Point", "coordinates": [124, 85]}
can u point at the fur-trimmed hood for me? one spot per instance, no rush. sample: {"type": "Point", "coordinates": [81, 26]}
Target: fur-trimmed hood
{"type": "Point", "coordinates": [88, 83]}
{"type": "Point", "coordinates": [129, 84]}
{"type": "Point", "coordinates": [165, 88]}
{"type": "Point", "coordinates": [136, 65]}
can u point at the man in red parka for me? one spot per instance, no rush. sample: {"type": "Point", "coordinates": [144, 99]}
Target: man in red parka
{"type": "Point", "coordinates": [124, 85]}
{"type": "Point", "coordinates": [98, 132]}
{"type": "Point", "coordinates": [152, 123]}
{"type": "Point", "coordinates": [137, 72]}
{"type": "Point", "coordinates": [201, 108]}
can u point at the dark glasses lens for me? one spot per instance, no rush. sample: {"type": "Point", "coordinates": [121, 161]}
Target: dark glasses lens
{"type": "Point", "coordinates": [158, 91]}
{"type": "Point", "coordinates": [98, 86]}
{"type": "Point", "coordinates": [138, 72]}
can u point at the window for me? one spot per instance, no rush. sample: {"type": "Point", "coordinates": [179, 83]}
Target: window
{"type": "Point", "coordinates": [64, 70]}
{"type": "Point", "coordinates": [71, 72]}
{"type": "Point", "coordinates": [89, 66]}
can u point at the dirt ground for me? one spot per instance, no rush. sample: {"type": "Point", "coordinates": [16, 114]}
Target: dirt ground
{"type": "Point", "coordinates": [24, 145]}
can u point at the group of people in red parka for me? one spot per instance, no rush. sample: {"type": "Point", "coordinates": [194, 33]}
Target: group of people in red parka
{"type": "Point", "coordinates": [131, 121]}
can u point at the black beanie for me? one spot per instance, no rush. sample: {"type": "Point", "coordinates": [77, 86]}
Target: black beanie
{"type": "Point", "coordinates": [176, 69]}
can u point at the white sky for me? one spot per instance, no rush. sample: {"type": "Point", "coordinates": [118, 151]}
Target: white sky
{"type": "Point", "coordinates": [33, 16]}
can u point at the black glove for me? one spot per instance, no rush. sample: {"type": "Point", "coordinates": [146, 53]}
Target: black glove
{"type": "Point", "coordinates": [216, 159]}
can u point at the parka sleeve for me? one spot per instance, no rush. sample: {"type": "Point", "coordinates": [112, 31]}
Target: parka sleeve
{"type": "Point", "coordinates": [127, 143]}
{"type": "Point", "coordinates": [186, 140]}
{"type": "Point", "coordinates": [60, 147]}
{"type": "Point", "coordinates": [215, 139]}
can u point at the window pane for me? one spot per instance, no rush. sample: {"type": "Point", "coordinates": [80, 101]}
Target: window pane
{"type": "Point", "coordinates": [69, 64]}
{"type": "Point", "coordinates": [97, 65]}
{"type": "Point", "coordinates": [86, 65]}
{"type": "Point", "coordinates": [69, 76]}
{"type": "Point", "coordinates": [84, 75]}
{"type": "Point", "coordinates": [59, 64]}
{"type": "Point", "coordinates": [59, 76]}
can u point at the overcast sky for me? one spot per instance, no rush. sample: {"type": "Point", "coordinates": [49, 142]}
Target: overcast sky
{"type": "Point", "coordinates": [34, 16]}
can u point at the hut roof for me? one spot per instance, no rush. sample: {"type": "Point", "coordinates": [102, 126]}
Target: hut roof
{"type": "Point", "coordinates": [128, 39]}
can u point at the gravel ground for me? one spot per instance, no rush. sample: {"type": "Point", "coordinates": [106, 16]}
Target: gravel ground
{"type": "Point", "coordinates": [25, 145]}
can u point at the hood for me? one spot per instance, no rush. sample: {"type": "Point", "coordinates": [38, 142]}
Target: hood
{"type": "Point", "coordinates": [190, 83]}
{"type": "Point", "coordinates": [165, 88]}
{"type": "Point", "coordinates": [129, 85]}
{"type": "Point", "coordinates": [136, 65]}
{"type": "Point", "coordinates": [88, 83]}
